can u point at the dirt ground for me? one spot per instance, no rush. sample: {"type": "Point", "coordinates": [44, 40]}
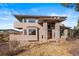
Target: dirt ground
{"type": "Point", "coordinates": [4, 48]}
{"type": "Point", "coordinates": [68, 48]}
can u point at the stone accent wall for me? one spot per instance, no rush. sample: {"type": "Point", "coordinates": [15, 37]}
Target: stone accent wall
{"type": "Point", "coordinates": [45, 29]}
{"type": "Point", "coordinates": [40, 34]}
{"type": "Point", "coordinates": [43, 34]}
{"type": "Point", "coordinates": [53, 34]}
{"type": "Point", "coordinates": [66, 33]}
{"type": "Point", "coordinates": [57, 31]}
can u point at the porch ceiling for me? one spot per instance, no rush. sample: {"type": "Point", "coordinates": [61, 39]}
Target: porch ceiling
{"type": "Point", "coordinates": [64, 27]}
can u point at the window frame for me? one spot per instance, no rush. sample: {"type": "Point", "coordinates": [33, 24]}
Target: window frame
{"type": "Point", "coordinates": [31, 20]}
{"type": "Point", "coordinates": [29, 33]}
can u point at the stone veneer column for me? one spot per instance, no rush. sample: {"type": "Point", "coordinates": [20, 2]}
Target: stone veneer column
{"type": "Point", "coordinates": [23, 32]}
{"type": "Point", "coordinates": [65, 33]}
{"type": "Point", "coordinates": [40, 34]}
{"type": "Point", "coordinates": [23, 20]}
{"type": "Point", "coordinates": [23, 27]}
{"type": "Point", "coordinates": [53, 34]}
{"type": "Point", "coordinates": [45, 31]}
{"type": "Point", "coordinates": [57, 31]}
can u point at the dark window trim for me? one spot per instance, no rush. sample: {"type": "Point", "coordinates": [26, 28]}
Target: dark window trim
{"type": "Point", "coordinates": [32, 32]}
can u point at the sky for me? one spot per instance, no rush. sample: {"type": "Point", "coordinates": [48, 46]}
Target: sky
{"type": "Point", "coordinates": [7, 10]}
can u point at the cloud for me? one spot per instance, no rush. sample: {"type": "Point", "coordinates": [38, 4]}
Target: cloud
{"type": "Point", "coordinates": [6, 18]}
{"type": "Point", "coordinates": [68, 13]}
{"type": "Point", "coordinates": [13, 11]}
{"type": "Point", "coordinates": [72, 18]}
{"type": "Point", "coordinates": [6, 26]}
{"type": "Point", "coordinates": [7, 14]}
{"type": "Point", "coordinates": [3, 5]}
{"type": "Point", "coordinates": [5, 10]}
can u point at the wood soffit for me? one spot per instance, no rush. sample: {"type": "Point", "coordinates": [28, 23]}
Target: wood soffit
{"type": "Point", "coordinates": [57, 18]}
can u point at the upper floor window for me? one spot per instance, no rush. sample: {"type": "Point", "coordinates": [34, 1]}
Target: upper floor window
{"type": "Point", "coordinates": [25, 20]}
{"type": "Point", "coordinates": [31, 21]}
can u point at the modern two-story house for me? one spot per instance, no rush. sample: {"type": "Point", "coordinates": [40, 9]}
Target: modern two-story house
{"type": "Point", "coordinates": [39, 28]}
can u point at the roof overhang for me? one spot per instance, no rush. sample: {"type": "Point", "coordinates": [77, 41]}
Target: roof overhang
{"type": "Point", "coordinates": [48, 18]}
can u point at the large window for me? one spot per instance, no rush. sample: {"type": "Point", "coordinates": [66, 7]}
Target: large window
{"type": "Point", "coordinates": [25, 20]}
{"type": "Point", "coordinates": [31, 20]}
{"type": "Point", "coordinates": [32, 31]}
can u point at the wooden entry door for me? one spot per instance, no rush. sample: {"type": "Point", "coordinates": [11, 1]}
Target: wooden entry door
{"type": "Point", "coordinates": [49, 34]}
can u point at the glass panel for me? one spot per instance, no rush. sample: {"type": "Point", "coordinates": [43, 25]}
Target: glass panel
{"type": "Point", "coordinates": [32, 21]}
{"type": "Point", "coordinates": [32, 31]}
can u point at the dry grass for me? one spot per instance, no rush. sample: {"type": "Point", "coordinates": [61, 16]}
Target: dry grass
{"type": "Point", "coordinates": [45, 49]}
{"type": "Point", "coordinates": [51, 49]}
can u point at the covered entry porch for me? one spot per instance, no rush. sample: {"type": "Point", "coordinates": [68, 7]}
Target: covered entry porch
{"type": "Point", "coordinates": [51, 30]}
